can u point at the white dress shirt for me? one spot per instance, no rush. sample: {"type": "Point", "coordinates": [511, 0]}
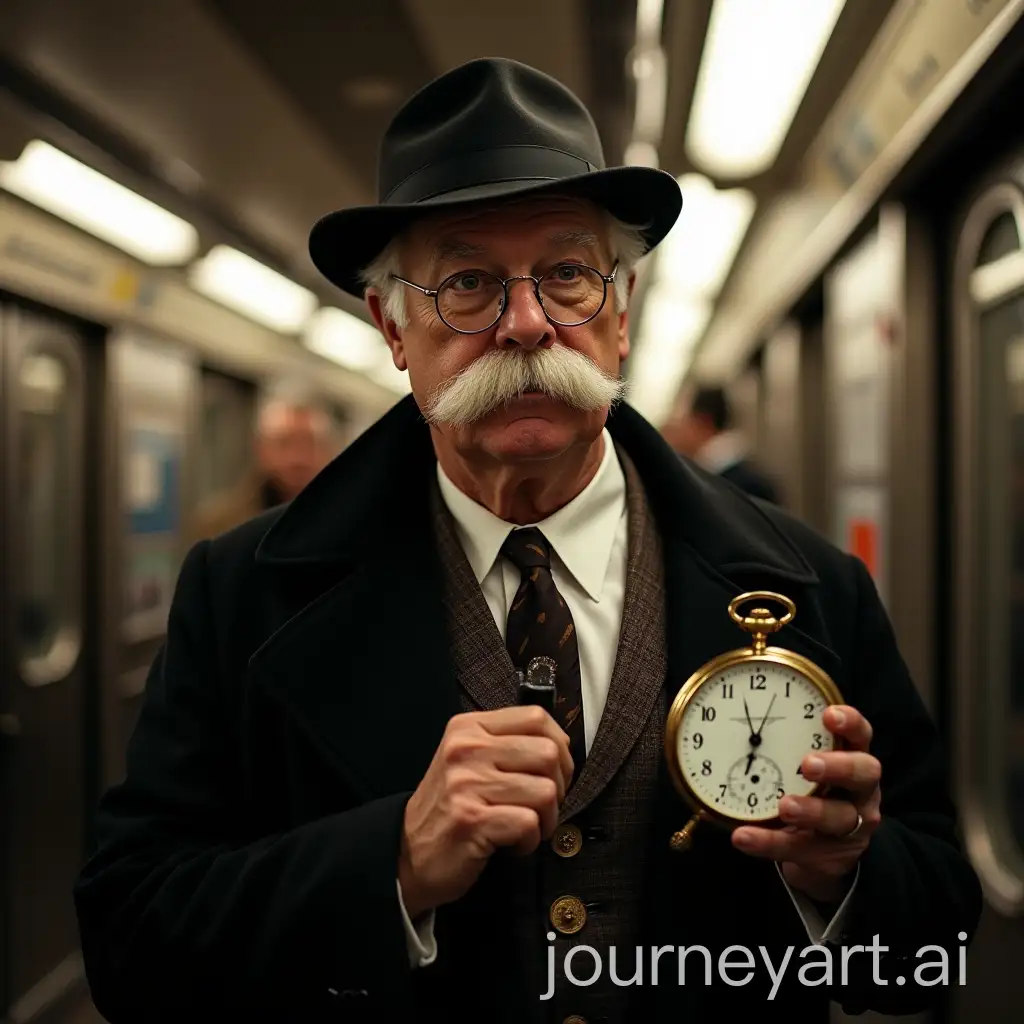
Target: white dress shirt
{"type": "Point", "coordinates": [588, 539]}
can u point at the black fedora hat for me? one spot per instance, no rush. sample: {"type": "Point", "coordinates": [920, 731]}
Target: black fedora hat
{"type": "Point", "coordinates": [488, 129]}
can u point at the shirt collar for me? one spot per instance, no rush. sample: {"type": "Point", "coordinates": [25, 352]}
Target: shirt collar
{"type": "Point", "coordinates": [581, 533]}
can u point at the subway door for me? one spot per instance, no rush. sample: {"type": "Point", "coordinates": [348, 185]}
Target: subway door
{"type": "Point", "coordinates": [879, 385]}
{"type": "Point", "coordinates": [986, 641]}
{"type": "Point", "coordinates": [152, 439]}
{"type": "Point", "coordinates": [880, 382]}
{"type": "Point", "coordinates": [813, 420]}
{"type": "Point", "coordinates": [859, 304]}
{"type": "Point", "coordinates": [224, 460]}
{"type": "Point", "coordinates": [45, 653]}
{"type": "Point", "coordinates": [746, 394]}
{"type": "Point", "coordinates": [782, 451]}
{"type": "Point", "coordinates": [794, 411]}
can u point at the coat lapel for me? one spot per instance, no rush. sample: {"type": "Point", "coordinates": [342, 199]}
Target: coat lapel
{"type": "Point", "coordinates": [364, 671]}
{"type": "Point", "coordinates": [638, 676]}
{"type": "Point", "coordinates": [360, 662]}
{"type": "Point", "coordinates": [718, 543]}
{"type": "Point", "coordinates": [482, 663]}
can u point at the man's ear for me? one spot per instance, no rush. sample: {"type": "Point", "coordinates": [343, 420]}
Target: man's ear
{"type": "Point", "coordinates": [388, 328]}
{"type": "Point", "coordinates": [623, 329]}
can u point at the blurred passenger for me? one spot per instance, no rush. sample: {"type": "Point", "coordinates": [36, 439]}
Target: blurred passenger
{"type": "Point", "coordinates": [295, 439]}
{"type": "Point", "coordinates": [706, 433]}
{"type": "Point", "coordinates": [335, 807]}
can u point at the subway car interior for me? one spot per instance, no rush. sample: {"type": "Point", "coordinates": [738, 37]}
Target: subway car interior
{"type": "Point", "coordinates": [848, 265]}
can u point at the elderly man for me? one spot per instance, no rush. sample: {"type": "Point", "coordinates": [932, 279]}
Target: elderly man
{"type": "Point", "coordinates": [295, 438]}
{"type": "Point", "coordinates": [335, 808]}
{"type": "Point", "coordinates": [705, 432]}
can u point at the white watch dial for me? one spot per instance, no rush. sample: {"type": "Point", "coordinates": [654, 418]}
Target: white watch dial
{"type": "Point", "coordinates": [744, 735]}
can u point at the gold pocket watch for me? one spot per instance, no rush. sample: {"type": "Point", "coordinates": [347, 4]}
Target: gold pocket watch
{"type": "Point", "coordinates": [742, 724]}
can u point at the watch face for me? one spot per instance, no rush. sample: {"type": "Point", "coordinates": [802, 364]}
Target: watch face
{"type": "Point", "coordinates": [744, 734]}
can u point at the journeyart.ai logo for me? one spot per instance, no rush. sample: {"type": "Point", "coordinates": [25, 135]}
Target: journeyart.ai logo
{"type": "Point", "coordinates": [737, 965]}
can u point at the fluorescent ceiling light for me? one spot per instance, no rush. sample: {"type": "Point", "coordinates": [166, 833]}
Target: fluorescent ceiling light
{"type": "Point", "coordinates": [641, 154]}
{"type": "Point", "coordinates": [651, 84]}
{"type": "Point", "coordinates": [650, 78]}
{"type": "Point", "coordinates": [248, 287]}
{"type": "Point", "coordinates": [649, 14]}
{"type": "Point", "coordinates": [672, 325]}
{"type": "Point", "coordinates": [690, 268]}
{"type": "Point", "coordinates": [696, 256]}
{"type": "Point", "coordinates": [68, 189]}
{"type": "Point", "coordinates": [346, 340]}
{"type": "Point", "coordinates": [759, 56]}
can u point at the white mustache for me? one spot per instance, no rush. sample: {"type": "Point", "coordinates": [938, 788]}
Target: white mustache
{"type": "Point", "coordinates": [499, 376]}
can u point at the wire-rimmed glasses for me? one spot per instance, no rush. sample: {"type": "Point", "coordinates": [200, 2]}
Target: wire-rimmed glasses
{"type": "Point", "coordinates": [471, 301]}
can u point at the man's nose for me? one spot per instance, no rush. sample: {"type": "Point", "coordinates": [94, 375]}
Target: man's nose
{"type": "Point", "coordinates": [523, 322]}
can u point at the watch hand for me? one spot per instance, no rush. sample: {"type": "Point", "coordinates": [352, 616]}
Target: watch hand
{"type": "Point", "coordinates": [766, 714]}
{"type": "Point", "coordinates": [750, 761]}
{"type": "Point", "coordinates": [749, 722]}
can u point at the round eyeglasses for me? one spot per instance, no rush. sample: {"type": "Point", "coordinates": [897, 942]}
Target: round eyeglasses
{"type": "Point", "coordinates": [471, 301]}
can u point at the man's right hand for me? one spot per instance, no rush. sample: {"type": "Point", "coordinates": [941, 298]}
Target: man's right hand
{"type": "Point", "coordinates": [496, 780]}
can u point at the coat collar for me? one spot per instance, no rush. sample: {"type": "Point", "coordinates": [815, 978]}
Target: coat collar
{"type": "Point", "coordinates": [363, 499]}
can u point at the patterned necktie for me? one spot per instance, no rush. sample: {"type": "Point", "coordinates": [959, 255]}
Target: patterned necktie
{"type": "Point", "coordinates": [540, 624]}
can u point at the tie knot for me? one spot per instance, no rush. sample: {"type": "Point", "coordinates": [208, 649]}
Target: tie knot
{"type": "Point", "coordinates": [527, 548]}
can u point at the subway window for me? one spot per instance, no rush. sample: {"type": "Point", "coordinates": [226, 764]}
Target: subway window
{"type": "Point", "coordinates": [1001, 455]}
{"type": "Point", "coordinates": [44, 503]}
{"type": "Point", "coordinates": [989, 493]}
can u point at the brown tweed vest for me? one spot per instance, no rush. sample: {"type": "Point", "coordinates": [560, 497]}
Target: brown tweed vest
{"type": "Point", "coordinates": [495, 941]}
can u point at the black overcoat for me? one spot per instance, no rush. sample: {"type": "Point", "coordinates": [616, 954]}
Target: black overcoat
{"type": "Point", "coordinates": [246, 866]}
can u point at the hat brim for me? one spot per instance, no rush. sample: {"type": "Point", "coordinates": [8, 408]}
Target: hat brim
{"type": "Point", "coordinates": [343, 243]}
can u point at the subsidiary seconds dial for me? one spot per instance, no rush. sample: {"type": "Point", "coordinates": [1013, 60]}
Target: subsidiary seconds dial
{"type": "Point", "coordinates": [744, 734]}
{"type": "Point", "coordinates": [755, 781]}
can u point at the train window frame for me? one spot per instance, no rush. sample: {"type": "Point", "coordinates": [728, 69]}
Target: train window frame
{"type": "Point", "coordinates": [982, 790]}
{"type": "Point", "coordinates": [34, 337]}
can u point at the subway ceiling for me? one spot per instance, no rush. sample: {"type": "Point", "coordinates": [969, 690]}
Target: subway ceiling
{"type": "Point", "coordinates": [254, 118]}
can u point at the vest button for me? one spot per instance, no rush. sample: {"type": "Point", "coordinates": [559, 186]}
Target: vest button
{"type": "Point", "coordinates": [567, 840]}
{"type": "Point", "coordinates": [568, 914]}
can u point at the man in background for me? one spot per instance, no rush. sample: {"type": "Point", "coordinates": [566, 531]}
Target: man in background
{"type": "Point", "coordinates": [295, 439]}
{"type": "Point", "coordinates": [706, 434]}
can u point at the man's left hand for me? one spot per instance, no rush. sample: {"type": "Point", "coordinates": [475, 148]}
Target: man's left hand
{"type": "Point", "coordinates": [826, 836]}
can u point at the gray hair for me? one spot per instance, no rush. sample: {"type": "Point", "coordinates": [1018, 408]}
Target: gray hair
{"type": "Point", "coordinates": [293, 394]}
{"type": "Point", "coordinates": [626, 241]}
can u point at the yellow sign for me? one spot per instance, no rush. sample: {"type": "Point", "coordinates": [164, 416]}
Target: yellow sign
{"type": "Point", "coordinates": [125, 286]}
